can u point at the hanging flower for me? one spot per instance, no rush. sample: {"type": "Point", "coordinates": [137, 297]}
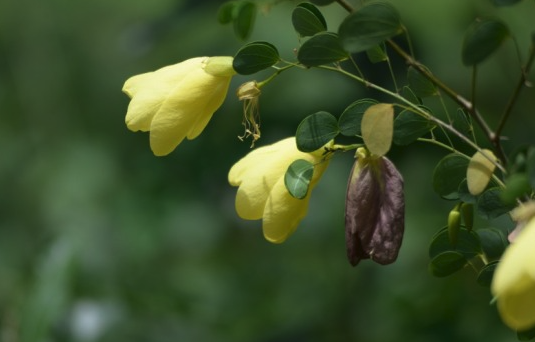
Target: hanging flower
{"type": "Point", "coordinates": [513, 284]}
{"type": "Point", "coordinates": [177, 101]}
{"type": "Point", "coordinates": [262, 193]}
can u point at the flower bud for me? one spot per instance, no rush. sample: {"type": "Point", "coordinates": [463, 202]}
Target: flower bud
{"type": "Point", "coordinates": [375, 210]}
{"type": "Point", "coordinates": [454, 225]}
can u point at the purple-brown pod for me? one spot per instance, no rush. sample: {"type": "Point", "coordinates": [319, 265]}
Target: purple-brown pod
{"type": "Point", "coordinates": [375, 210]}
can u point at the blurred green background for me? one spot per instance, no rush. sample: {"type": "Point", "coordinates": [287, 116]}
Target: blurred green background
{"type": "Point", "coordinates": [102, 241]}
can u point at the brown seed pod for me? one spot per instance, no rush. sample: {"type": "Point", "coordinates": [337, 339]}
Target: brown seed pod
{"type": "Point", "coordinates": [375, 211]}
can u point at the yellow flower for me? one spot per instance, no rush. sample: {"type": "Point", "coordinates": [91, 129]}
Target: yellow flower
{"type": "Point", "coordinates": [513, 283]}
{"type": "Point", "coordinates": [177, 101]}
{"type": "Point", "coordinates": [262, 193]}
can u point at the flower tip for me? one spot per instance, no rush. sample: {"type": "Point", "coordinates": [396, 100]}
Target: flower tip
{"type": "Point", "coordinates": [220, 66]}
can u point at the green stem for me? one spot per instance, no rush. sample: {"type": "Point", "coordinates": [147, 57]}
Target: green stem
{"type": "Point", "coordinates": [345, 5]}
{"type": "Point", "coordinates": [275, 74]}
{"type": "Point", "coordinates": [417, 109]}
{"type": "Point", "coordinates": [520, 85]}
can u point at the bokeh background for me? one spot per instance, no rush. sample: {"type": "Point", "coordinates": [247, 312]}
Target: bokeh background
{"type": "Point", "coordinates": [102, 241]}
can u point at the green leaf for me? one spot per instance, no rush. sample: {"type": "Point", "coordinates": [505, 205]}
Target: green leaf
{"type": "Point", "coordinates": [516, 186]}
{"type": "Point", "coordinates": [377, 127]}
{"type": "Point", "coordinates": [505, 3]}
{"type": "Point", "coordinates": [371, 25]}
{"type": "Point", "coordinates": [225, 12]}
{"type": "Point", "coordinates": [244, 17]}
{"type": "Point", "coordinates": [467, 243]}
{"type": "Point", "coordinates": [297, 178]}
{"type": "Point", "coordinates": [409, 95]}
{"type": "Point", "coordinates": [377, 54]}
{"type": "Point", "coordinates": [322, 2]}
{"type": "Point", "coordinates": [464, 194]}
{"type": "Point", "coordinates": [315, 131]}
{"type": "Point", "coordinates": [420, 84]}
{"type": "Point", "coordinates": [484, 278]}
{"type": "Point", "coordinates": [526, 335]}
{"type": "Point", "coordinates": [322, 48]}
{"type": "Point", "coordinates": [461, 122]}
{"type": "Point", "coordinates": [530, 166]}
{"type": "Point", "coordinates": [482, 39]}
{"type": "Point", "coordinates": [410, 126]}
{"type": "Point", "coordinates": [448, 175]}
{"type": "Point", "coordinates": [351, 118]}
{"type": "Point", "coordinates": [254, 57]}
{"type": "Point", "coordinates": [490, 205]}
{"type": "Point", "coordinates": [308, 20]}
{"type": "Point", "coordinates": [493, 242]}
{"type": "Point", "coordinates": [447, 263]}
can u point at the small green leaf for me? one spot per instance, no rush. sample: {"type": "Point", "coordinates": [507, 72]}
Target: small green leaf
{"type": "Point", "coordinates": [410, 126]}
{"type": "Point", "coordinates": [482, 39]}
{"type": "Point", "coordinates": [254, 57]}
{"type": "Point", "coordinates": [526, 335]}
{"type": "Point", "coordinates": [421, 85]}
{"type": "Point", "coordinates": [244, 17]}
{"type": "Point", "coordinates": [516, 186]}
{"type": "Point", "coordinates": [322, 48]}
{"type": "Point", "coordinates": [351, 118]}
{"type": "Point", "coordinates": [315, 131]}
{"type": "Point", "coordinates": [465, 195]}
{"type": "Point", "coordinates": [409, 95]}
{"type": "Point", "coordinates": [448, 175]}
{"type": "Point", "coordinates": [371, 25]}
{"type": "Point", "coordinates": [505, 3]}
{"type": "Point", "coordinates": [490, 205]}
{"type": "Point", "coordinates": [480, 170]}
{"type": "Point", "coordinates": [225, 12]}
{"type": "Point", "coordinates": [493, 242]}
{"type": "Point", "coordinates": [447, 263]}
{"type": "Point", "coordinates": [308, 20]}
{"type": "Point", "coordinates": [322, 2]}
{"type": "Point", "coordinates": [461, 122]}
{"type": "Point", "coordinates": [377, 54]}
{"type": "Point", "coordinates": [377, 127]}
{"type": "Point", "coordinates": [484, 278]}
{"type": "Point", "coordinates": [530, 166]}
{"type": "Point", "coordinates": [467, 243]}
{"type": "Point", "coordinates": [297, 178]}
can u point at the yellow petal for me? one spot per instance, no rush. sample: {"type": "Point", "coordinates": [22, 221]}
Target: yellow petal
{"type": "Point", "coordinates": [282, 213]}
{"type": "Point", "coordinates": [513, 283]}
{"type": "Point", "coordinates": [149, 90]}
{"type": "Point", "coordinates": [187, 109]}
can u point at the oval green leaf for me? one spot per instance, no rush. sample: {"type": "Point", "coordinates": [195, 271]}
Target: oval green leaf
{"type": "Point", "coordinates": [420, 84]}
{"type": "Point", "coordinates": [371, 25]}
{"type": "Point", "coordinates": [308, 20]}
{"type": "Point", "coordinates": [315, 131]}
{"type": "Point", "coordinates": [467, 243]}
{"type": "Point", "coordinates": [480, 170]}
{"type": "Point", "coordinates": [322, 48]}
{"type": "Point", "coordinates": [377, 127]}
{"type": "Point", "coordinates": [482, 39]}
{"type": "Point", "coordinates": [377, 54]}
{"type": "Point", "coordinates": [349, 121]}
{"type": "Point", "coordinates": [484, 278]}
{"type": "Point", "coordinates": [493, 242]}
{"type": "Point", "coordinates": [410, 126]}
{"type": "Point", "coordinates": [297, 178]}
{"type": "Point", "coordinates": [461, 122]}
{"type": "Point", "coordinates": [244, 17]}
{"type": "Point", "coordinates": [254, 57]}
{"type": "Point", "coordinates": [490, 204]}
{"type": "Point", "coordinates": [448, 175]}
{"type": "Point", "coordinates": [322, 2]}
{"type": "Point", "coordinates": [409, 95]}
{"type": "Point", "coordinates": [225, 12]}
{"type": "Point", "coordinates": [447, 263]}
{"type": "Point", "coordinates": [465, 195]}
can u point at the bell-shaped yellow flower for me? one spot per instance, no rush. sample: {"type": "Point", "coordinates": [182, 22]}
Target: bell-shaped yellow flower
{"type": "Point", "coordinates": [513, 283]}
{"type": "Point", "coordinates": [262, 193]}
{"type": "Point", "coordinates": [177, 101]}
